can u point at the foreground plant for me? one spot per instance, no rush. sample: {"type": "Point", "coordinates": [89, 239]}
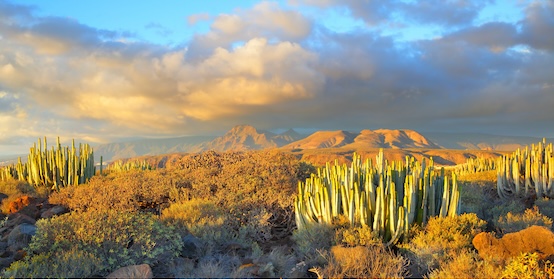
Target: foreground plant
{"type": "Point", "coordinates": [389, 198]}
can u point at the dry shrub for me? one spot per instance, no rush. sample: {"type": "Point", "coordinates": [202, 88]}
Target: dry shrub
{"type": "Point", "coordinates": [528, 265]}
{"type": "Point", "coordinates": [517, 222]}
{"type": "Point", "coordinates": [363, 262]}
{"type": "Point", "coordinates": [126, 191]}
{"type": "Point", "coordinates": [443, 238]}
{"type": "Point", "coordinates": [244, 182]}
{"type": "Point", "coordinates": [14, 189]}
{"type": "Point", "coordinates": [467, 264]}
{"type": "Point", "coordinates": [546, 206]}
{"type": "Point", "coordinates": [313, 239]}
{"type": "Point", "coordinates": [357, 236]}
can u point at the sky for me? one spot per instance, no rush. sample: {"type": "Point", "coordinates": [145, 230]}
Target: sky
{"type": "Point", "coordinates": [102, 71]}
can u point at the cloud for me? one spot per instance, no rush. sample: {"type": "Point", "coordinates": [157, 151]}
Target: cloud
{"type": "Point", "coordinates": [538, 25]}
{"type": "Point", "coordinates": [195, 18]}
{"type": "Point", "coordinates": [273, 67]}
{"type": "Point", "coordinates": [265, 19]}
{"type": "Point", "coordinates": [159, 29]}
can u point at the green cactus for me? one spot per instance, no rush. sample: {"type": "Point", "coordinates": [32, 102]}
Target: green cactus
{"type": "Point", "coordinates": [389, 198]}
{"type": "Point", "coordinates": [55, 168]}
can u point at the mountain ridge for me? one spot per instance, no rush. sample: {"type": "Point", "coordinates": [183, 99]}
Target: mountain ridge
{"type": "Point", "coordinates": [246, 137]}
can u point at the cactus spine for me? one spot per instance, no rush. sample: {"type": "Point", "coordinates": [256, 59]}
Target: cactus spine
{"type": "Point", "coordinates": [389, 198]}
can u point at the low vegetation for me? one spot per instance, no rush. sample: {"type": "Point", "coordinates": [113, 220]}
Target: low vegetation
{"type": "Point", "coordinates": [232, 214]}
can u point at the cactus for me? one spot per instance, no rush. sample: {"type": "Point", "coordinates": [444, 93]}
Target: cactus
{"type": "Point", "coordinates": [119, 166]}
{"type": "Point", "coordinates": [527, 172]}
{"type": "Point", "coordinates": [55, 168]}
{"type": "Point", "coordinates": [389, 198]}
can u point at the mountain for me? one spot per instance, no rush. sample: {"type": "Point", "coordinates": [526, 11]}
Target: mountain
{"type": "Point", "coordinates": [121, 150]}
{"type": "Point", "coordinates": [323, 139]}
{"type": "Point", "coordinates": [242, 137]}
{"type": "Point", "coordinates": [245, 137]}
{"type": "Point", "coordinates": [476, 141]}
{"type": "Point", "coordinates": [382, 138]}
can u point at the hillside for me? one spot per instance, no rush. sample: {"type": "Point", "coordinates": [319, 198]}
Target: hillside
{"type": "Point", "coordinates": [245, 137]}
{"type": "Point", "coordinates": [383, 138]}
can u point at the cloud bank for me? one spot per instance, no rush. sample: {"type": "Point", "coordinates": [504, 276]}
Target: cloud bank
{"type": "Point", "coordinates": [275, 67]}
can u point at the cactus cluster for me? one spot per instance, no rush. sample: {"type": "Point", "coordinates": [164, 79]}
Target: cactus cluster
{"type": "Point", "coordinates": [389, 198]}
{"type": "Point", "coordinates": [56, 168]}
{"type": "Point", "coordinates": [475, 165]}
{"type": "Point", "coordinates": [527, 172]}
{"type": "Point", "coordinates": [119, 166]}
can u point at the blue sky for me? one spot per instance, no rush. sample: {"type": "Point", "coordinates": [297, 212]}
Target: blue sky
{"type": "Point", "coordinates": [102, 71]}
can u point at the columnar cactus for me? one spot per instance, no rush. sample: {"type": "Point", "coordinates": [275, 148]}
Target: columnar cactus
{"type": "Point", "coordinates": [56, 168]}
{"type": "Point", "coordinates": [526, 172]}
{"type": "Point", "coordinates": [389, 198]}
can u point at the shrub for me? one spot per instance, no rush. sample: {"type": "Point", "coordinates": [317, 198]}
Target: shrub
{"type": "Point", "coordinates": [546, 206]}
{"type": "Point", "coordinates": [527, 265]}
{"type": "Point", "coordinates": [362, 262]}
{"type": "Point", "coordinates": [355, 236]}
{"type": "Point", "coordinates": [14, 189]}
{"type": "Point", "coordinates": [61, 264]}
{"type": "Point", "coordinates": [444, 237]}
{"type": "Point", "coordinates": [517, 222]}
{"type": "Point", "coordinates": [116, 238]}
{"type": "Point", "coordinates": [312, 239]}
{"type": "Point", "coordinates": [467, 264]}
{"type": "Point", "coordinates": [126, 191]}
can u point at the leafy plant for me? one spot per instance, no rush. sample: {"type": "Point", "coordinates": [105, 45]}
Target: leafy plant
{"type": "Point", "coordinates": [116, 238]}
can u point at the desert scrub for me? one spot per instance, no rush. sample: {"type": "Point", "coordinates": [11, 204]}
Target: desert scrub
{"type": "Point", "coordinates": [375, 261]}
{"type": "Point", "coordinates": [116, 238]}
{"type": "Point", "coordinates": [126, 191]}
{"type": "Point", "coordinates": [263, 180]}
{"type": "Point", "coordinates": [442, 238]}
{"type": "Point", "coordinates": [14, 189]}
{"type": "Point", "coordinates": [546, 206]}
{"type": "Point", "coordinates": [356, 236]}
{"type": "Point", "coordinates": [62, 264]}
{"type": "Point", "coordinates": [478, 197]}
{"type": "Point", "coordinates": [528, 265]}
{"type": "Point", "coordinates": [467, 264]}
{"type": "Point", "coordinates": [516, 222]}
{"type": "Point", "coordinates": [207, 222]}
{"type": "Point", "coordinates": [313, 239]}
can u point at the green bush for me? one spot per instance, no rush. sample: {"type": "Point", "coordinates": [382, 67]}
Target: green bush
{"type": "Point", "coordinates": [517, 222]}
{"type": "Point", "coordinates": [61, 264]}
{"type": "Point", "coordinates": [313, 239]}
{"type": "Point", "coordinates": [116, 238]}
{"type": "Point", "coordinates": [444, 237]}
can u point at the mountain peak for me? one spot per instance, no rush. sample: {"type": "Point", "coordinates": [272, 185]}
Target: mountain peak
{"type": "Point", "coordinates": [242, 129]}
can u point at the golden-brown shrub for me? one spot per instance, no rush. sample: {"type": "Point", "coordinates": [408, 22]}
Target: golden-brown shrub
{"type": "Point", "coordinates": [443, 238]}
{"type": "Point", "coordinates": [362, 262]}
{"type": "Point", "coordinates": [516, 222]}
{"type": "Point", "coordinates": [467, 264]}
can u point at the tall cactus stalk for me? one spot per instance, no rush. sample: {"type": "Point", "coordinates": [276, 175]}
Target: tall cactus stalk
{"type": "Point", "coordinates": [56, 168]}
{"type": "Point", "coordinates": [389, 198]}
{"type": "Point", "coordinates": [526, 172]}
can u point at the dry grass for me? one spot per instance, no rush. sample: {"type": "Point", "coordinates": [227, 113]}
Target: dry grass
{"type": "Point", "coordinates": [363, 262]}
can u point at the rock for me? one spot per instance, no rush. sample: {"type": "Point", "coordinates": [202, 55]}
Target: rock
{"type": "Point", "coordinates": [535, 239]}
{"type": "Point", "coordinates": [191, 245]}
{"type": "Point", "coordinates": [20, 236]}
{"type": "Point", "coordinates": [54, 211]}
{"type": "Point", "coordinates": [19, 204]}
{"type": "Point", "coordinates": [132, 271]}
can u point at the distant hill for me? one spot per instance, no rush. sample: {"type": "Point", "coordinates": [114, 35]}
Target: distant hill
{"type": "Point", "coordinates": [383, 138]}
{"type": "Point", "coordinates": [245, 137]}
{"type": "Point", "coordinates": [476, 141]}
{"type": "Point", "coordinates": [121, 150]}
